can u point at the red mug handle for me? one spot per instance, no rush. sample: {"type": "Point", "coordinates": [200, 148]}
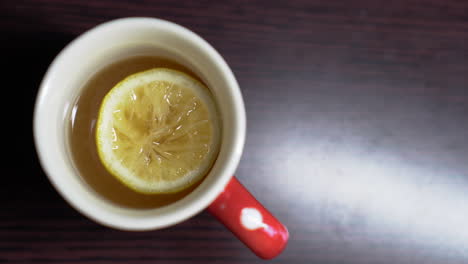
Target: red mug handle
{"type": "Point", "coordinates": [257, 228]}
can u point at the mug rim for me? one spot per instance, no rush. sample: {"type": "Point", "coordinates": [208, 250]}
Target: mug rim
{"type": "Point", "coordinates": [118, 217]}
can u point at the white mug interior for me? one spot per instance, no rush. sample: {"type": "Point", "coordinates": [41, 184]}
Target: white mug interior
{"type": "Point", "coordinates": [99, 47]}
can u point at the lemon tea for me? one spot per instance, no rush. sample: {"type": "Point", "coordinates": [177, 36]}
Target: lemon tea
{"type": "Point", "coordinates": [82, 133]}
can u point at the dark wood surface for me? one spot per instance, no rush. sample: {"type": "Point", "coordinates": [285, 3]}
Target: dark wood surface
{"type": "Point", "coordinates": [357, 131]}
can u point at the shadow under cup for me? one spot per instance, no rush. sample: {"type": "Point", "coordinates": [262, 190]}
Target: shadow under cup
{"type": "Point", "coordinates": [107, 44]}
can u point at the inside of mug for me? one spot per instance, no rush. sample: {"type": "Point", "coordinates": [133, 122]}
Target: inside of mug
{"type": "Point", "coordinates": [103, 46]}
{"type": "Point", "coordinates": [107, 58]}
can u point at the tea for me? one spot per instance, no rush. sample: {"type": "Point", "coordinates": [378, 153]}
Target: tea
{"type": "Point", "coordinates": [82, 134]}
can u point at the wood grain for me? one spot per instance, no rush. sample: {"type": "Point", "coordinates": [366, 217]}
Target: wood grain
{"type": "Point", "coordinates": [357, 131]}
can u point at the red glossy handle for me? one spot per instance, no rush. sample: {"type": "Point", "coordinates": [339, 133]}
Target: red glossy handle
{"type": "Point", "coordinates": [257, 228]}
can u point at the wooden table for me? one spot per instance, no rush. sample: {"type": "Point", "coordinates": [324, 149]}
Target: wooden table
{"type": "Point", "coordinates": [357, 131]}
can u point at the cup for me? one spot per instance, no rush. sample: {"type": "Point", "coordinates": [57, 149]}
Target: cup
{"type": "Point", "coordinates": [220, 192]}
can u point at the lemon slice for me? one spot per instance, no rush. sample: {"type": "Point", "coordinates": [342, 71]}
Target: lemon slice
{"type": "Point", "coordinates": [158, 131]}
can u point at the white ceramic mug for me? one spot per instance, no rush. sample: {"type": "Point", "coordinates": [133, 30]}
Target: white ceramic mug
{"type": "Point", "coordinates": [127, 37]}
